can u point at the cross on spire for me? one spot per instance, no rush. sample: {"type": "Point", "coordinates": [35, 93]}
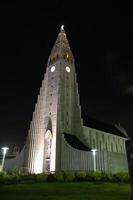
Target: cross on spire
{"type": "Point", "coordinates": [62, 28]}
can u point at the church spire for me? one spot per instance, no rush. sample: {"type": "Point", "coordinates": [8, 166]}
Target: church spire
{"type": "Point", "coordinates": [61, 48]}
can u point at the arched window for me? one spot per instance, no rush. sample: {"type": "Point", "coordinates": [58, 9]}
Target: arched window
{"type": "Point", "coordinates": [47, 150]}
{"type": "Point", "coordinates": [48, 138]}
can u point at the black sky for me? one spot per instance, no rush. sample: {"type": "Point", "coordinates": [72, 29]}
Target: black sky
{"type": "Point", "coordinates": [101, 38]}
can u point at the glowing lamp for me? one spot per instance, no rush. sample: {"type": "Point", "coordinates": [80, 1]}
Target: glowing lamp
{"type": "Point", "coordinates": [94, 158]}
{"type": "Point", "coordinates": [4, 149]}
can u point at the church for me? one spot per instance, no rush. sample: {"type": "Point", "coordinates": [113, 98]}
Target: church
{"type": "Point", "coordinates": [57, 139]}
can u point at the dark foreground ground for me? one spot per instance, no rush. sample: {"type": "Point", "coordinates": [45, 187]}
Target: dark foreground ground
{"type": "Point", "coordinates": [66, 191]}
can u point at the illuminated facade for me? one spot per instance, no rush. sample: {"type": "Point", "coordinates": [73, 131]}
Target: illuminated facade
{"type": "Point", "coordinates": [57, 139]}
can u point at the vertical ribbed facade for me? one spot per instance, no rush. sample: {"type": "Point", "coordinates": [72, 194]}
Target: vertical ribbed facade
{"type": "Point", "coordinates": [34, 148]}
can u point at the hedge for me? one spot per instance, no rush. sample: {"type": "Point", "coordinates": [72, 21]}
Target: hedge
{"type": "Point", "coordinates": [60, 176]}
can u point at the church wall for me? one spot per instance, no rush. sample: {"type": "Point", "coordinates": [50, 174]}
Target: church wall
{"type": "Point", "coordinates": [98, 139]}
{"type": "Point", "coordinates": [74, 159]}
{"type": "Point", "coordinates": [15, 163]}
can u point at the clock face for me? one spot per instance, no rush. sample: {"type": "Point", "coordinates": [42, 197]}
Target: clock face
{"type": "Point", "coordinates": [52, 68]}
{"type": "Point", "coordinates": [68, 69]}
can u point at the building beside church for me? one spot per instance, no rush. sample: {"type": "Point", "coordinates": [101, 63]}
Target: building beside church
{"type": "Point", "coordinates": [57, 138]}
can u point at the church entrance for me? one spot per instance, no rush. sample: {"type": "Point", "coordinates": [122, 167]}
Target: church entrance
{"type": "Point", "coordinates": [47, 150]}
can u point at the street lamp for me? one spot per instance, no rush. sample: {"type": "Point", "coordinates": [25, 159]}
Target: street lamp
{"type": "Point", "coordinates": [4, 149]}
{"type": "Point", "coordinates": [94, 158]}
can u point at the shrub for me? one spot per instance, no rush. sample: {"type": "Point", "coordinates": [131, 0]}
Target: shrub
{"type": "Point", "coordinates": [121, 177]}
{"type": "Point", "coordinates": [97, 176]}
{"type": "Point", "coordinates": [8, 178]}
{"type": "Point", "coordinates": [59, 176]}
{"type": "Point", "coordinates": [12, 179]}
{"type": "Point", "coordinates": [15, 171]}
{"type": "Point", "coordinates": [89, 176]}
{"type": "Point", "coordinates": [30, 178]}
{"type": "Point", "coordinates": [51, 178]}
{"type": "Point", "coordinates": [80, 176]}
{"type": "Point", "coordinates": [106, 177]}
{"type": "Point", "coordinates": [41, 177]}
{"type": "Point", "coordinates": [3, 176]}
{"type": "Point", "coordinates": [69, 176]}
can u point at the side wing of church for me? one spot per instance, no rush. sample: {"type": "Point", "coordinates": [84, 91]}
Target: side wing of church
{"type": "Point", "coordinates": [57, 139]}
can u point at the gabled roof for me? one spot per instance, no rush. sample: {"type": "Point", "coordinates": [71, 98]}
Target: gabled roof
{"type": "Point", "coordinates": [73, 141]}
{"type": "Point", "coordinates": [109, 128]}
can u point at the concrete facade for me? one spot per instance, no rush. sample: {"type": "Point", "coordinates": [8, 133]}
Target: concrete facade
{"type": "Point", "coordinates": [57, 139]}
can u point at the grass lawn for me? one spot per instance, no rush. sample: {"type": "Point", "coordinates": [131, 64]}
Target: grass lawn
{"type": "Point", "coordinates": [66, 191]}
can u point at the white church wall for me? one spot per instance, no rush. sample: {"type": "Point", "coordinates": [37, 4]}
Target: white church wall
{"type": "Point", "coordinates": [74, 159]}
{"type": "Point", "coordinates": [104, 141]}
{"type": "Point", "coordinates": [15, 163]}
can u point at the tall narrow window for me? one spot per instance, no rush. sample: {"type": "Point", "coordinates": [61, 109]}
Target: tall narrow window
{"type": "Point", "coordinates": [103, 137]}
{"type": "Point", "coordinates": [47, 150]}
{"type": "Point", "coordinates": [112, 147]}
{"type": "Point", "coordinates": [97, 140]}
{"type": "Point", "coordinates": [106, 146]}
{"type": "Point", "coordinates": [121, 149]}
{"type": "Point", "coordinates": [93, 143]}
{"type": "Point", "coordinates": [100, 145]}
{"type": "Point", "coordinates": [57, 56]}
{"type": "Point", "coordinates": [116, 148]}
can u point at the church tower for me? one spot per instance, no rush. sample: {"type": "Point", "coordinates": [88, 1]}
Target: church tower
{"type": "Point", "coordinates": [57, 115]}
{"type": "Point", "coordinates": [57, 139]}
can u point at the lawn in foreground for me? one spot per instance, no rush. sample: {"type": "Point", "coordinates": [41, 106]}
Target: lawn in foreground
{"type": "Point", "coordinates": [66, 191]}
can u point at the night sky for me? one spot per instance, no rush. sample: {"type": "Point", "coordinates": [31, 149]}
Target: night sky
{"type": "Point", "coordinates": [101, 38]}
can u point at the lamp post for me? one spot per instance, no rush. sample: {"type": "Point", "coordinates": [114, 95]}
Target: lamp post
{"type": "Point", "coordinates": [94, 158]}
{"type": "Point", "coordinates": [4, 155]}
